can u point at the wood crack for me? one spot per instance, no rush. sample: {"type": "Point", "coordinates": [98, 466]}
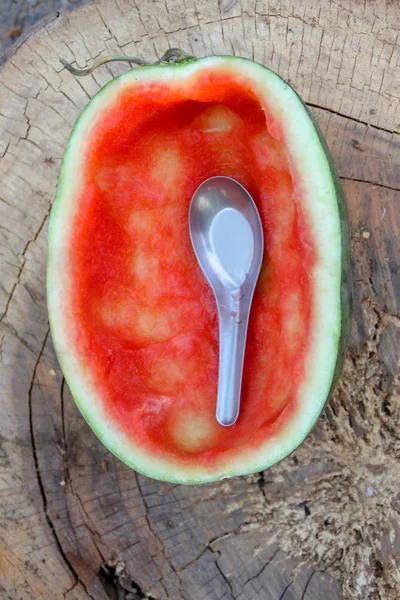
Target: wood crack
{"type": "Point", "coordinates": [68, 481]}
{"type": "Point", "coordinates": [257, 575]}
{"type": "Point", "coordinates": [146, 515]}
{"type": "Point", "coordinates": [229, 6]}
{"type": "Point", "coordinates": [71, 589]}
{"type": "Point", "coordinates": [12, 291]}
{"type": "Point", "coordinates": [375, 292]}
{"type": "Point", "coordinates": [362, 122]}
{"type": "Point", "coordinates": [95, 6]}
{"type": "Point", "coordinates": [87, 521]}
{"type": "Point", "coordinates": [237, 531]}
{"type": "Point", "coordinates": [114, 575]}
{"type": "Point", "coordinates": [260, 483]}
{"type": "Point", "coordinates": [194, 560]}
{"type": "Point", "coordinates": [7, 328]}
{"type": "Point", "coordinates": [373, 183]}
{"type": "Point", "coordinates": [281, 597]}
{"type": "Point", "coordinates": [5, 152]}
{"type": "Point", "coordinates": [307, 585]}
{"type": "Point", "coordinates": [151, 529]}
{"type": "Point", "coordinates": [225, 578]}
{"type": "Point", "coordinates": [22, 266]}
{"type": "Point", "coordinates": [39, 476]}
{"type": "Point", "coordinates": [64, 452]}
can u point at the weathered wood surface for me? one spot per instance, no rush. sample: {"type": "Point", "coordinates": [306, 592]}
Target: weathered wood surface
{"type": "Point", "coordinates": [74, 522]}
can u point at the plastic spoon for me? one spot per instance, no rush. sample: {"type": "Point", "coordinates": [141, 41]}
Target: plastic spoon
{"type": "Point", "coordinates": [227, 238]}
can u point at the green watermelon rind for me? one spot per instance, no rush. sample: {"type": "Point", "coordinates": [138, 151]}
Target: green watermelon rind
{"type": "Point", "coordinates": [336, 269]}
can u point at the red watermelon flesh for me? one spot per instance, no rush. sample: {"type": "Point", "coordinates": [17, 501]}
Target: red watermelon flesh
{"type": "Point", "coordinates": [145, 320]}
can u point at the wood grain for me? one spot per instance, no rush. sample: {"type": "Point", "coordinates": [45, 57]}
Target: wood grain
{"type": "Point", "coordinates": [75, 523]}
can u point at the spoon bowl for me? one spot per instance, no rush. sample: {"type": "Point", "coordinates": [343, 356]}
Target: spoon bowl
{"type": "Point", "coordinates": [227, 237]}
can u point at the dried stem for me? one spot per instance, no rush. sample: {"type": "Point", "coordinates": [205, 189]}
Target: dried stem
{"type": "Point", "coordinates": [170, 56]}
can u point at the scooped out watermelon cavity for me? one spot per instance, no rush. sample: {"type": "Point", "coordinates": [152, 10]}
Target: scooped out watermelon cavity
{"type": "Point", "coordinates": [133, 319]}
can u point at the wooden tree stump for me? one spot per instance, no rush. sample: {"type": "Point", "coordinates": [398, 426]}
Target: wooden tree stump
{"type": "Point", "coordinates": [75, 523]}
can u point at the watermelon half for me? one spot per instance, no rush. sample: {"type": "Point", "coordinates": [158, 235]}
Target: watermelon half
{"type": "Point", "coordinates": [133, 319]}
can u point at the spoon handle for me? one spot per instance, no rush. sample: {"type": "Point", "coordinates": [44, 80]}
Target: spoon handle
{"type": "Point", "coordinates": [233, 320]}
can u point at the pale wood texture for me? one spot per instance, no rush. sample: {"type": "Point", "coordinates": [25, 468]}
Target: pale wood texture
{"type": "Point", "coordinates": [75, 523]}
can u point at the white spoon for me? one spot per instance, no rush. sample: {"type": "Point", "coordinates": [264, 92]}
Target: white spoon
{"type": "Point", "coordinates": [227, 237]}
